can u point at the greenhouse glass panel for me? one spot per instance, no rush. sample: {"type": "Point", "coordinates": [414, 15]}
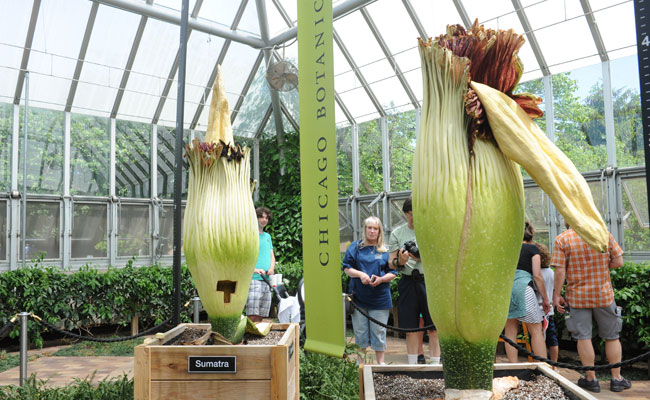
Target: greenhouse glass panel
{"type": "Point", "coordinates": [537, 213]}
{"type": "Point", "coordinates": [396, 215]}
{"type": "Point", "coordinates": [42, 238]}
{"type": "Point", "coordinates": [616, 24]}
{"type": "Point", "coordinates": [370, 208]}
{"type": "Point", "coordinates": [132, 159]}
{"type": "Point", "coordinates": [254, 107]}
{"type": "Point", "coordinates": [44, 151]}
{"type": "Point", "coordinates": [627, 111]}
{"type": "Point", "coordinates": [435, 16]}
{"type": "Point", "coordinates": [358, 39]}
{"type": "Point", "coordinates": [559, 55]}
{"type": "Point", "coordinates": [387, 15]}
{"type": "Point", "coordinates": [146, 78]}
{"type": "Point", "coordinates": [55, 48]}
{"type": "Point", "coordinates": [346, 231]}
{"type": "Point", "coordinates": [3, 230]}
{"type": "Point", "coordinates": [166, 230]}
{"type": "Point", "coordinates": [134, 235]}
{"type": "Point", "coordinates": [222, 12]}
{"type": "Point", "coordinates": [6, 131]}
{"type": "Point", "coordinates": [103, 68]}
{"type": "Point", "coordinates": [371, 179]}
{"type": "Point", "coordinates": [402, 132]}
{"type": "Point", "coordinates": [89, 231]}
{"type": "Point", "coordinates": [599, 194]}
{"type": "Point", "coordinates": [635, 214]}
{"type": "Point", "coordinates": [391, 94]}
{"type": "Point", "coordinates": [487, 11]}
{"type": "Point", "coordinates": [167, 162]}
{"type": "Point", "coordinates": [250, 22]}
{"type": "Point", "coordinates": [14, 21]}
{"type": "Point", "coordinates": [359, 104]}
{"type": "Point", "coordinates": [89, 155]}
{"type": "Point", "coordinates": [344, 160]}
{"type": "Point", "coordinates": [580, 117]}
{"type": "Point", "coordinates": [202, 53]}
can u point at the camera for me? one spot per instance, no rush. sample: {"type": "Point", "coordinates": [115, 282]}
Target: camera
{"type": "Point", "coordinates": [412, 248]}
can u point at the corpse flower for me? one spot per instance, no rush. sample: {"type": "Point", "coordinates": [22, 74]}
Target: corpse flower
{"type": "Point", "coordinates": [468, 196]}
{"type": "Point", "coordinates": [220, 232]}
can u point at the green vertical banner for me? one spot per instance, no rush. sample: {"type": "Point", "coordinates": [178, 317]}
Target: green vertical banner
{"type": "Point", "coordinates": [320, 217]}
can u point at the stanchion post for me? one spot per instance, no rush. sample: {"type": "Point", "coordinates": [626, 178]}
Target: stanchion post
{"type": "Point", "coordinates": [197, 308]}
{"type": "Point", "coordinates": [23, 347]}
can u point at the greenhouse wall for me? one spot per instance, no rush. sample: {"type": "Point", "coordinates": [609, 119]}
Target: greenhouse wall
{"type": "Point", "coordinates": [100, 190]}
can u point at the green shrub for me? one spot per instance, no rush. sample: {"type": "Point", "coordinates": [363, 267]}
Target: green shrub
{"type": "Point", "coordinates": [87, 298]}
{"type": "Point", "coordinates": [291, 275]}
{"type": "Point", "coordinates": [117, 388]}
{"type": "Point", "coordinates": [632, 291]}
{"type": "Point", "coordinates": [326, 377]}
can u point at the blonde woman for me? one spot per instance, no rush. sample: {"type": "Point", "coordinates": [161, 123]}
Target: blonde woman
{"type": "Point", "coordinates": [366, 263]}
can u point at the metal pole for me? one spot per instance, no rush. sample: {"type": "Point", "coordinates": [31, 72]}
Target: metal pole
{"type": "Point", "coordinates": [178, 172]}
{"type": "Point", "coordinates": [345, 317]}
{"type": "Point", "coordinates": [23, 216]}
{"type": "Point", "coordinates": [23, 347]}
{"type": "Point", "coordinates": [197, 308]}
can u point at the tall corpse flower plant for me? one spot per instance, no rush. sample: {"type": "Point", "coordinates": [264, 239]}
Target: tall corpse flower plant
{"type": "Point", "coordinates": [468, 197]}
{"type": "Point", "coordinates": [220, 233]}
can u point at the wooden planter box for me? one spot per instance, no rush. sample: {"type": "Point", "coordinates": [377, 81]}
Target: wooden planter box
{"type": "Point", "coordinates": [261, 371]}
{"type": "Point", "coordinates": [367, 386]}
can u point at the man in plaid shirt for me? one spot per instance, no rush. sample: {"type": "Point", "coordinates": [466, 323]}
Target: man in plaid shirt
{"type": "Point", "coordinates": [590, 295]}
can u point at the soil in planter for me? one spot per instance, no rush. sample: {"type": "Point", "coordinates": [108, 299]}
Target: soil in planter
{"type": "Point", "coordinates": [188, 336]}
{"type": "Point", "coordinates": [398, 386]}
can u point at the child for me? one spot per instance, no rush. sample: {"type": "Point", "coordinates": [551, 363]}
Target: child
{"type": "Point", "coordinates": [549, 325]}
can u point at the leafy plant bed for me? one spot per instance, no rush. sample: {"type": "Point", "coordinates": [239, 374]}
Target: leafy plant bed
{"type": "Point", "coordinates": [207, 371]}
{"type": "Point", "coordinates": [536, 382]}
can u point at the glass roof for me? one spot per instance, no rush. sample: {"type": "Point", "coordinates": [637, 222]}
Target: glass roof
{"type": "Point", "coordinates": [119, 58]}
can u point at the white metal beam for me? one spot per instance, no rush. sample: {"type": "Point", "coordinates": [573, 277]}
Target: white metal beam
{"type": "Point", "coordinates": [530, 35]}
{"type": "Point", "coordinates": [220, 58]}
{"type": "Point", "coordinates": [173, 69]}
{"type": "Point", "coordinates": [26, 51]}
{"type": "Point", "coordinates": [339, 10]}
{"type": "Point", "coordinates": [174, 17]}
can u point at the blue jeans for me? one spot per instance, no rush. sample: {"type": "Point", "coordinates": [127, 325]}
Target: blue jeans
{"type": "Point", "coordinates": [367, 333]}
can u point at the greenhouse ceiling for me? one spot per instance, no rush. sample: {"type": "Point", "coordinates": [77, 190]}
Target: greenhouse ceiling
{"type": "Point", "coordinates": [119, 58]}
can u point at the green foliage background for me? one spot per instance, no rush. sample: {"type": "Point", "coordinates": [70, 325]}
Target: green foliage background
{"type": "Point", "coordinates": [88, 298]}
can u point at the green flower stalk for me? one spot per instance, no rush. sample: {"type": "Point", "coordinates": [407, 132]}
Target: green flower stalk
{"type": "Point", "coordinates": [468, 196]}
{"type": "Point", "coordinates": [220, 232]}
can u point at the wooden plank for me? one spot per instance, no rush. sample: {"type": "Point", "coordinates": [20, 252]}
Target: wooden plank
{"type": "Point", "coordinates": [361, 391]}
{"type": "Point", "coordinates": [296, 357]}
{"type": "Point", "coordinates": [279, 361]}
{"type": "Point", "coordinates": [170, 362]}
{"type": "Point", "coordinates": [368, 383]}
{"type": "Point", "coordinates": [288, 334]}
{"type": "Point", "coordinates": [209, 390]}
{"type": "Point", "coordinates": [564, 382]}
{"type": "Point", "coordinates": [141, 377]}
{"type": "Point", "coordinates": [281, 327]}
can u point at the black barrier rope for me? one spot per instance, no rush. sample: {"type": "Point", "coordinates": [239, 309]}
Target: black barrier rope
{"type": "Point", "coordinates": [573, 366]}
{"type": "Point", "coordinates": [103, 340]}
{"type": "Point", "coordinates": [515, 345]}
{"type": "Point", "coordinates": [392, 328]}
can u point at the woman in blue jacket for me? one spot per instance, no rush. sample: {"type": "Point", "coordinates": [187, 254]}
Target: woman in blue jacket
{"type": "Point", "coordinates": [366, 263]}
